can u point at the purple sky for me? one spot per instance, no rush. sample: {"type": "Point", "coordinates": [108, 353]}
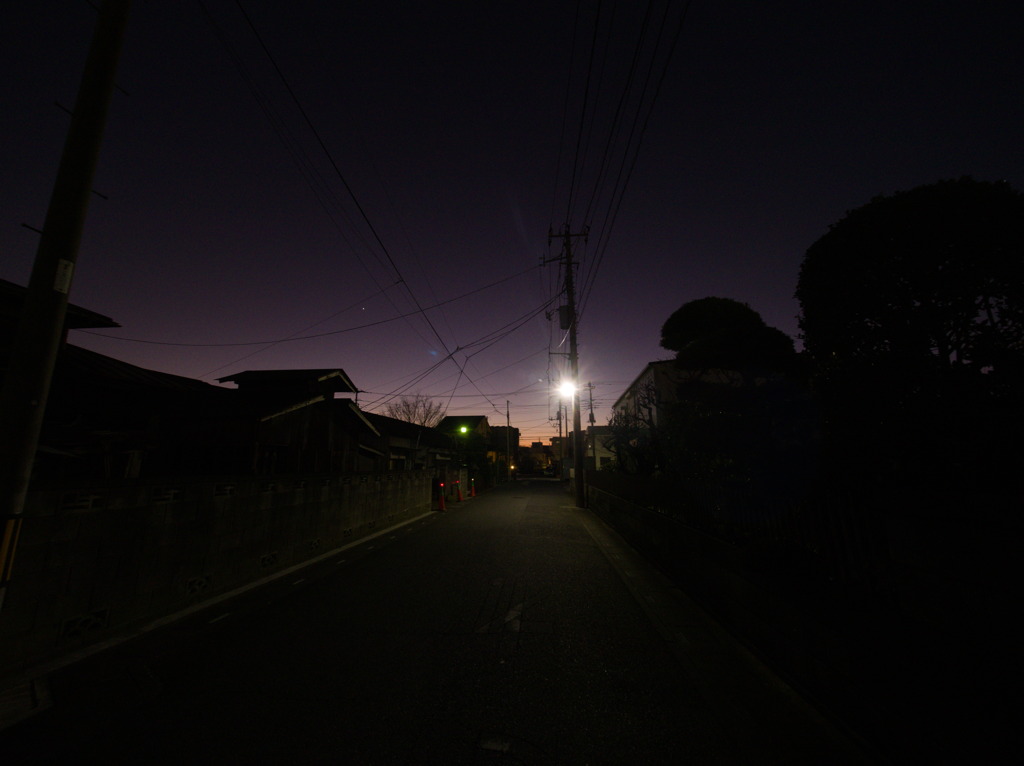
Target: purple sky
{"type": "Point", "coordinates": [456, 125]}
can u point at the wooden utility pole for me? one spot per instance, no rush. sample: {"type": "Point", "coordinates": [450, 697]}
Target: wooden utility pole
{"type": "Point", "coordinates": [41, 327]}
{"type": "Point", "coordinates": [574, 364]}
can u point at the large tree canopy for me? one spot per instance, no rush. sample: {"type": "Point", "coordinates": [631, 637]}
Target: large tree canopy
{"type": "Point", "coordinates": [932, 276]}
{"type": "Point", "coordinates": [912, 310]}
{"type": "Point", "coordinates": [721, 333]}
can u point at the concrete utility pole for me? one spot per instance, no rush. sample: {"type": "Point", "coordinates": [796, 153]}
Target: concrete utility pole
{"type": "Point", "coordinates": [574, 364]}
{"type": "Point", "coordinates": [40, 329]}
{"type": "Point", "coordinates": [561, 443]}
{"type": "Point", "coordinates": [593, 434]}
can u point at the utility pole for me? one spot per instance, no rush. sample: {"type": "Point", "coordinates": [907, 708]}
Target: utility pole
{"type": "Point", "coordinates": [593, 434]}
{"type": "Point", "coordinates": [561, 444]}
{"type": "Point", "coordinates": [508, 446]}
{"type": "Point", "coordinates": [574, 364]}
{"type": "Point", "coordinates": [41, 327]}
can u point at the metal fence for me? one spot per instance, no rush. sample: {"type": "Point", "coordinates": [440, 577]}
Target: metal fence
{"type": "Point", "coordinates": [835, 535]}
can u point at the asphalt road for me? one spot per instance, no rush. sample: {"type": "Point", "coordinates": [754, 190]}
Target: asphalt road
{"type": "Point", "coordinates": [513, 627]}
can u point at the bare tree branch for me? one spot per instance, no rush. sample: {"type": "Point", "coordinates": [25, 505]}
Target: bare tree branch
{"type": "Point", "coordinates": [418, 409]}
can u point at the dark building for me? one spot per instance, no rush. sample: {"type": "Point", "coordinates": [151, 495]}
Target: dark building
{"type": "Point", "coordinates": [107, 419]}
{"type": "Point", "coordinates": [299, 426]}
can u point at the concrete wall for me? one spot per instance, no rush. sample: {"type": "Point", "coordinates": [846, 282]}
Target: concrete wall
{"type": "Point", "coordinates": [786, 620]}
{"type": "Point", "coordinates": [922, 635]}
{"type": "Point", "coordinates": [100, 562]}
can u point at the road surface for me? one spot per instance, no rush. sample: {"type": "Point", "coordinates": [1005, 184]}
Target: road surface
{"type": "Point", "coordinates": [514, 627]}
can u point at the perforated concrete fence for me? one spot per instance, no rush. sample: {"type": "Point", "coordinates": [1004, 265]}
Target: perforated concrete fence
{"type": "Point", "coordinates": [99, 562]}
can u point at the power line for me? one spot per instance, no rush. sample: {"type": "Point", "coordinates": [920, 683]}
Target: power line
{"type": "Point", "coordinates": [318, 137]}
{"type": "Point", "coordinates": [565, 109]}
{"type": "Point", "coordinates": [317, 184]}
{"type": "Point", "coordinates": [292, 338]}
{"type": "Point", "coordinates": [577, 160]}
{"type": "Point", "coordinates": [348, 188]}
{"type": "Point", "coordinates": [489, 339]}
{"type": "Point", "coordinates": [604, 235]}
{"type": "Point", "coordinates": [293, 335]}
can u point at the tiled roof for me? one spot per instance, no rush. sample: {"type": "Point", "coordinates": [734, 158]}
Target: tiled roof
{"type": "Point", "coordinates": [76, 362]}
{"type": "Point", "coordinates": [12, 298]}
{"type": "Point", "coordinates": [311, 380]}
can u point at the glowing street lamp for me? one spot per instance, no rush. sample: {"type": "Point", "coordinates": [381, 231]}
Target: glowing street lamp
{"type": "Point", "coordinates": [567, 390]}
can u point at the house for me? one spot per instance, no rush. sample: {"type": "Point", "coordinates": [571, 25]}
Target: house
{"type": "Point", "coordinates": [659, 383]}
{"type": "Point", "coordinates": [654, 387]}
{"type": "Point", "coordinates": [107, 419]}
{"type": "Point", "coordinates": [471, 440]}
{"type": "Point", "coordinates": [409, 446]}
{"type": "Point", "coordinates": [505, 444]}
{"type": "Point", "coordinates": [110, 420]}
{"type": "Point", "coordinates": [292, 384]}
{"type": "Point", "coordinates": [596, 454]}
{"type": "Point", "coordinates": [537, 458]}
{"type": "Point", "coordinates": [457, 425]}
{"type": "Point", "coordinates": [12, 299]}
{"type": "Point", "coordinates": [299, 426]}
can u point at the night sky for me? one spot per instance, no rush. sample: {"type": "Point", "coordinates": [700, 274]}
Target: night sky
{"type": "Point", "coordinates": [416, 153]}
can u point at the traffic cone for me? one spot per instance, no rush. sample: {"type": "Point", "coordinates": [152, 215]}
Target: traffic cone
{"type": "Point", "coordinates": [440, 499]}
{"type": "Point", "coordinates": [458, 491]}
{"type": "Point", "coordinates": [472, 487]}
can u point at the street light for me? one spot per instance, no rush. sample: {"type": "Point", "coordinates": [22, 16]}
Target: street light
{"type": "Point", "coordinates": [568, 390]}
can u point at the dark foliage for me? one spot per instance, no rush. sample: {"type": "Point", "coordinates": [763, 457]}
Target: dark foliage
{"type": "Point", "coordinates": [912, 311]}
{"type": "Point", "coordinates": [933, 277]}
{"type": "Point", "coordinates": [724, 334]}
{"type": "Point", "coordinates": [759, 438]}
{"type": "Point", "coordinates": [732, 418]}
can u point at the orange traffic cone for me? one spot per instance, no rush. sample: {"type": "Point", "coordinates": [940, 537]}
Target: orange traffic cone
{"type": "Point", "coordinates": [440, 499]}
{"type": "Point", "coordinates": [472, 487]}
{"type": "Point", "coordinates": [458, 491]}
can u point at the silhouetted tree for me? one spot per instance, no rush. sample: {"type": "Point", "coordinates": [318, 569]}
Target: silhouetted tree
{"type": "Point", "coordinates": [741, 419]}
{"type": "Point", "coordinates": [912, 310]}
{"type": "Point", "coordinates": [635, 436]}
{"type": "Point", "coordinates": [418, 409]}
{"type": "Point", "coordinates": [736, 419]}
{"type": "Point", "coordinates": [934, 276]}
{"type": "Point", "coordinates": [724, 334]}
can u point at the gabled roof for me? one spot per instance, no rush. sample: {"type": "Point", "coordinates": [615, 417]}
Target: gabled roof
{"type": "Point", "coordinates": [75, 363]}
{"type": "Point", "coordinates": [291, 381]}
{"type": "Point", "coordinates": [101, 391]}
{"type": "Point", "coordinates": [403, 429]}
{"type": "Point", "coordinates": [12, 298]}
